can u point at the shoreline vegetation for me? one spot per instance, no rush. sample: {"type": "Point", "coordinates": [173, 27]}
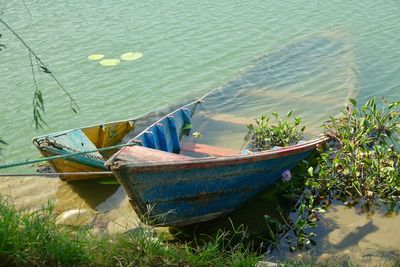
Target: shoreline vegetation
{"type": "Point", "coordinates": [33, 238]}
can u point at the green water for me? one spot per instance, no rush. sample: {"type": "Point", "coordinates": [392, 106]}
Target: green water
{"type": "Point", "coordinates": [189, 49]}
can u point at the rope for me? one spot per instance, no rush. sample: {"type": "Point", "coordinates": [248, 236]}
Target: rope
{"type": "Point", "coordinates": [28, 162]}
{"type": "Point", "coordinates": [15, 164]}
{"type": "Point", "coordinates": [56, 174]}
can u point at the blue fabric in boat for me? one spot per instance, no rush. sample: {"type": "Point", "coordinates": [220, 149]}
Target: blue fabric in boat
{"type": "Point", "coordinates": [164, 135]}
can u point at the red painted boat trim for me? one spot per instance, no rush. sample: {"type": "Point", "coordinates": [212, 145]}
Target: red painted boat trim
{"type": "Point", "coordinates": [211, 162]}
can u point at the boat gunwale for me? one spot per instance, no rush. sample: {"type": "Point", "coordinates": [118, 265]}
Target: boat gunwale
{"type": "Point", "coordinates": [84, 127]}
{"type": "Point", "coordinates": [211, 162]}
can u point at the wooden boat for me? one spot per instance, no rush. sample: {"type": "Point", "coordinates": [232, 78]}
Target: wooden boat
{"type": "Point", "coordinates": [175, 183]}
{"type": "Point", "coordinates": [80, 140]}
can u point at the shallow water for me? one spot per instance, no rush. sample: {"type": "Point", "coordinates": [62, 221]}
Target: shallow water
{"type": "Point", "coordinates": [189, 49]}
{"type": "Point", "coordinates": [305, 56]}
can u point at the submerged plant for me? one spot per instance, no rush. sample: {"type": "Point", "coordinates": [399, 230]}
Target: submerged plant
{"type": "Point", "coordinates": [264, 135]}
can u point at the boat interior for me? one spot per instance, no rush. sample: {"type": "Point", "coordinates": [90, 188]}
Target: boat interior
{"type": "Point", "coordinates": [170, 134]}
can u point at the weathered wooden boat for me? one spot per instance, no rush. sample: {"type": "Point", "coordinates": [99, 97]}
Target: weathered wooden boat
{"type": "Point", "coordinates": [81, 140]}
{"type": "Point", "coordinates": [174, 183]}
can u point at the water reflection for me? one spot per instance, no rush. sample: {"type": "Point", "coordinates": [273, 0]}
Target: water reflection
{"type": "Point", "coordinates": [345, 233]}
{"type": "Point", "coordinates": [102, 206]}
{"type": "Point", "coordinates": [83, 193]}
{"type": "Point", "coordinates": [302, 76]}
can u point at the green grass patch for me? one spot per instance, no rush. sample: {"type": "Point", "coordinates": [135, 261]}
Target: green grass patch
{"type": "Point", "coordinates": [32, 238]}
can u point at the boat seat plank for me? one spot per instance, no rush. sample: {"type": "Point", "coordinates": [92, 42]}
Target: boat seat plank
{"type": "Point", "coordinates": [74, 141]}
{"type": "Point", "coordinates": [143, 155]}
{"type": "Point", "coordinates": [209, 150]}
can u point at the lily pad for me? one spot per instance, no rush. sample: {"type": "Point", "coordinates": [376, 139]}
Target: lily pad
{"type": "Point", "coordinates": [131, 56]}
{"type": "Point", "coordinates": [96, 57]}
{"type": "Point", "coordinates": [109, 62]}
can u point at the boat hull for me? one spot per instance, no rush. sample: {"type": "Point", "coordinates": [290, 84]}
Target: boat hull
{"type": "Point", "coordinates": [197, 190]}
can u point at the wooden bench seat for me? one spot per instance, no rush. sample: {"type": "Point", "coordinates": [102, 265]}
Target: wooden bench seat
{"type": "Point", "coordinates": [209, 150]}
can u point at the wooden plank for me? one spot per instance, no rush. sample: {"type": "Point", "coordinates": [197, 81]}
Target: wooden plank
{"type": "Point", "coordinates": [108, 134]}
{"type": "Point", "coordinates": [209, 150]}
{"type": "Point", "coordinates": [140, 155]}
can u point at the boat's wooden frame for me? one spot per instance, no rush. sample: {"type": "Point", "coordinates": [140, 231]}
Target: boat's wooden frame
{"type": "Point", "coordinates": [174, 189]}
{"type": "Point", "coordinates": [96, 136]}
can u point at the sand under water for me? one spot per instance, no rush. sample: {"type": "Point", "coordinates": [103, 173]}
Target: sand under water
{"type": "Point", "coordinates": [103, 207]}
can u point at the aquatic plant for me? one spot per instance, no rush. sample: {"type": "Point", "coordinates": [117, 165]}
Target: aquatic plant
{"type": "Point", "coordinates": [358, 166]}
{"type": "Point", "coordinates": [294, 231]}
{"type": "Point", "coordinates": [264, 135]}
{"type": "Point", "coordinates": [109, 62]}
{"type": "Point", "coordinates": [361, 161]}
{"type": "Point", "coordinates": [95, 57]}
{"type": "Point", "coordinates": [129, 56]}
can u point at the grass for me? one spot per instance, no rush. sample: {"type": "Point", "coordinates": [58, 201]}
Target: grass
{"type": "Point", "coordinates": [32, 238]}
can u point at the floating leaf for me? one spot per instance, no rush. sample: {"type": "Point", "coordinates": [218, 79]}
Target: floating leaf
{"type": "Point", "coordinates": [96, 57]}
{"type": "Point", "coordinates": [109, 62]}
{"type": "Point", "coordinates": [131, 56]}
{"type": "Point", "coordinates": [197, 135]}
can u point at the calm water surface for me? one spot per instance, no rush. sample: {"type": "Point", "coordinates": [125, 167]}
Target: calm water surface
{"type": "Point", "coordinates": [305, 56]}
{"type": "Point", "coordinates": [189, 49]}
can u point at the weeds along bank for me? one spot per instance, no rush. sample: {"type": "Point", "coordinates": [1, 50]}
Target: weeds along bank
{"type": "Point", "coordinates": [32, 238]}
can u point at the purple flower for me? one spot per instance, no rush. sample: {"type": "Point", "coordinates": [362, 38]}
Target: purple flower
{"type": "Point", "coordinates": [286, 175]}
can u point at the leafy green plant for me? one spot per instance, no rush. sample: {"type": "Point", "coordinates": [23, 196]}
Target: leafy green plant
{"type": "Point", "coordinates": [264, 135]}
{"type": "Point", "coordinates": [359, 165]}
{"type": "Point", "coordinates": [296, 231]}
{"type": "Point", "coordinates": [361, 162]}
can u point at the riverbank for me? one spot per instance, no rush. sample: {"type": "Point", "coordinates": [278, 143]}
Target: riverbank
{"type": "Point", "coordinates": [34, 238]}
{"type": "Point", "coordinates": [105, 208]}
{"type": "Point", "coordinates": [113, 235]}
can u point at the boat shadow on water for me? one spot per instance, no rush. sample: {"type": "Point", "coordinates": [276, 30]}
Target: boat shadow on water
{"type": "Point", "coordinates": [88, 194]}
